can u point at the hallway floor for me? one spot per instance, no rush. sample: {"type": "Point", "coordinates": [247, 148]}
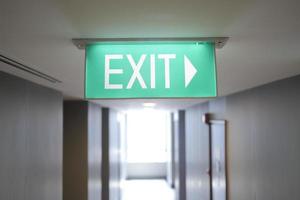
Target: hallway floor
{"type": "Point", "coordinates": [147, 190]}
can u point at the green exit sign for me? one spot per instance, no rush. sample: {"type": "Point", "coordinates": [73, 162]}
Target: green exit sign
{"type": "Point", "coordinates": [170, 70]}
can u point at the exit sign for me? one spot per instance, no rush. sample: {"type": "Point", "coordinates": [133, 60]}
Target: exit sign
{"type": "Point", "coordinates": [170, 70]}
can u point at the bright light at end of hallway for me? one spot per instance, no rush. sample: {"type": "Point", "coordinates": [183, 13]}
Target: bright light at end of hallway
{"type": "Point", "coordinates": [147, 135]}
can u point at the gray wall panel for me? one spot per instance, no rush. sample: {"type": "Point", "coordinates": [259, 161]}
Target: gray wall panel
{"type": "Point", "coordinates": [114, 156]}
{"type": "Point", "coordinates": [94, 151]}
{"type": "Point", "coordinates": [197, 180]}
{"type": "Point", "coordinates": [30, 141]}
{"type": "Point", "coordinates": [263, 141]}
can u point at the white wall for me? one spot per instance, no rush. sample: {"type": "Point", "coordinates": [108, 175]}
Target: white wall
{"type": "Point", "coordinates": [146, 170]}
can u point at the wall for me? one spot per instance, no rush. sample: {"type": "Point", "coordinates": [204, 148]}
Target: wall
{"type": "Point", "coordinates": [111, 174]}
{"type": "Point", "coordinates": [30, 141]}
{"type": "Point", "coordinates": [146, 170]}
{"type": "Point", "coordinates": [262, 138]}
{"type": "Point", "coordinates": [82, 151]}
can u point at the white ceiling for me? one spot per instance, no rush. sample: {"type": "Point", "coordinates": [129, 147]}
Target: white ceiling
{"type": "Point", "coordinates": [263, 45]}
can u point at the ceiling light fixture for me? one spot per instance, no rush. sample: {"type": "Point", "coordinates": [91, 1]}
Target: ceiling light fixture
{"type": "Point", "coordinates": [149, 105]}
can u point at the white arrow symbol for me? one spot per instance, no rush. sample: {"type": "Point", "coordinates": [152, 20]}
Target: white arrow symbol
{"type": "Point", "coordinates": [189, 70]}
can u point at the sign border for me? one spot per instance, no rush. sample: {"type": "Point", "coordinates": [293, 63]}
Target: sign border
{"type": "Point", "coordinates": [161, 42]}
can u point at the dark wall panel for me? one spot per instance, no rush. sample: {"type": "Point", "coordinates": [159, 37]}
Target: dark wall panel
{"type": "Point", "coordinates": [263, 141]}
{"type": "Point", "coordinates": [111, 158]}
{"type": "Point", "coordinates": [30, 140]}
{"type": "Point", "coordinates": [75, 174]}
{"type": "Point", "coordinates": [179, 154]}
{"type": "Point", "coordinates": [82, 150]}
{"type": "Point", "coordinates": [105, 170]}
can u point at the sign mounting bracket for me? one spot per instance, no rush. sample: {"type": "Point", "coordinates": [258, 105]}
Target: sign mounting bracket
{"type": "Point", "coordinates": [219, 42]}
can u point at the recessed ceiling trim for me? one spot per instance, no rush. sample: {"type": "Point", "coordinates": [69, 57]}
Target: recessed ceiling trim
{"type": "Point", "coordinates": [28, 69]}
{"type": "Point", "coordinates": [81, 43]}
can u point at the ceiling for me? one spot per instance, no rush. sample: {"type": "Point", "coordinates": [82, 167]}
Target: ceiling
{"type": "Point", "coordinates": [263, 45]}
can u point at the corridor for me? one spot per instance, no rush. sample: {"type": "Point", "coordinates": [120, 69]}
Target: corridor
{"type": "Point", "coordinates": [149, 100]}
{"type": "Point", "coordinates": [152, 189]}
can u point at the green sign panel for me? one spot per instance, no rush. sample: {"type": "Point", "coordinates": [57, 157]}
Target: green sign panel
{"type": "Point", "coordinates": [177, 70]}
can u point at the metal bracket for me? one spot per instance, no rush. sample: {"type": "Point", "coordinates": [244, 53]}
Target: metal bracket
{"type": "Point", "coordinates": [81, 43]}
